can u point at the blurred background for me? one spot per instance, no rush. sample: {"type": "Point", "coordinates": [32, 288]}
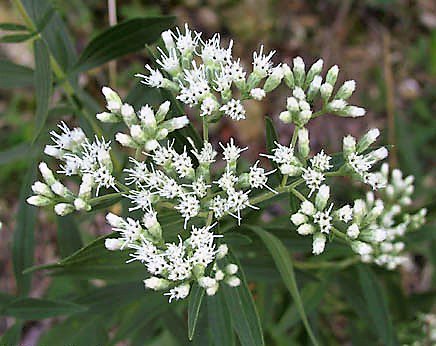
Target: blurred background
{"type": "Point", "coordinates": [387, 46]}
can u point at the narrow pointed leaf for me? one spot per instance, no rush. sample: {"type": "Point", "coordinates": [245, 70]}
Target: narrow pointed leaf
{"type": "Point", "coordinates": [376, 305]}
{"type": "Point", "coordinates": [23, 238]}
{"type": "Point", "coordinates": [127, 37]}
{"type": "Point", "coordinates": [220, 321]}
{"type": "Point", "coordinates": [12, 336]}
{"type": "Point", "coordinates": [68, 236]}
{"type": "Point", "coordinates": [43, 80]}
{"type": "Point", "coordinates": [12, 27]}
{"type": "Point", "coordinates": [284, 265]}
{"type": "Point", "coordinates": [14, 76]}
{"type": "Point", "coordinates": [195, 299]}
{"type": "Point", "coordinates": [246, 321]}
{"type": "Point", "coordinates": [37, 309]}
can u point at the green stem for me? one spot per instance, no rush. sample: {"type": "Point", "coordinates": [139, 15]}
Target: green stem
{"type": "Point", "coordinates": [101, 199]}
{"type": "Point", "coordinates": [205, 130]}
{"type": "Point", "coordinates": [326, 265]}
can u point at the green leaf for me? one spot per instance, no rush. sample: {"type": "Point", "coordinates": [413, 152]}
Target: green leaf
{"type": "Point", "coordinates": [245, 318]}
{"type": "Point", "coordinates": [284, 265]}
{"type": "Point", "coordinates": [271, 137]}
{"type": "Point", "coordinates": [13, 27]}
{"type": "Point", "coordinates": [146, 308]}
{"type": "Point", "coordinates": [79, 330]}
{"type": "Point", "coordinates": [54, 32]}
{"type": "Point", "coordinates": [12, 336]}
{"type": "Point", "coordinates": [68, 235]}
{"type": "Point", "coordinates": [220, 321]}
{"type": "Point", "coordinates": [20, 151]}
{"type": "Point", "coordinates": [376, 305]}
{"type": "Point", "coordinates": [14, 76]}
{"type": "Point", "coordinates": [43, 83]}
{"type": "Point", "coordinates": [16, 38]}
{"type": "Point", "coordinates": [127, 37]}
{"type": "Point", "coordinates": [94, 261]}
{"type": "Point", "coordinates": [23, 238]}
{"type": "Point", "coordinates": [195, 299]}
{"type": "Point", "coordinates": [38, 309]}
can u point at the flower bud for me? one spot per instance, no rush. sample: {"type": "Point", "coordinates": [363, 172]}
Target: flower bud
{"type": "Point", "coordinates": [125, 140]}
{"type": "Point", "coordinates": [211, 291]}
{"type": "Point", "coordinates": [322, 197]}
{"type": "Point", "coordinates": [274, 79]}
{"type": "Point", "coordinates": [219, 275]}
{"type": "Point", "coordinates": [359, 210]}
{"type": "Point", "coordinates": [291, 170]}
{"type": "Point", "coordinates": [47, 174]}
{"type": "Point", "coordinates": [115, 220]}
{"type": "Point", "coordinates": [106, 117]}
{"type": "Point", "coordinates": [314, 87]}
{"type": "Point", "coordinates": [302, 117]}
{"type": "Point", "coordinates": [137, 133]}
{"type": "Point", "coordinates": [86, 186]}
{"type": "Point", "coordinates": [176, 123]}
{"type": "Point", "coordinates": [52, 150]}
{"type": "Point", "coordinates": [206, 282]}
{"type": "Point", "coordinates": [346, 90]}
{"type": "Point", "coordinates": [286, 117]}
{"type": "Point", "coordinates": [39, 201]}
{"type": "Point", "coordinates": [288, 76]}
{"type": "Point", "coordinates": [379, 154]}
{"type": "Point", "coordinates": [151, 145]}
{"type": "Point", "coordinates": [80, 204]}
{"type": "Point", "coordinates": [59, 189]}
{"type": "Point", "coordinates": [308, 208]}
{"type": "Point", "coordinates": [326, 91]}
{"type": "Point", "coordinates": [298, 219]}
{"type": "Point", "coordinates": [353, 111]}
{"type": "Point", "coordinates": [348, 145]}
{"type": "Point", "coordinates": [163, 111]}
{"type": "Point", "coordinates": [63, 209]}
{"type": "Point", "coordinates": [232, 281]}
{"type": "Point", "coordinates": [157, 284]}
{"type": "Point", "coordinates": [298, 70]}
{"type": "Point", "coordinates": [231, 269]}
{"type": "Point", "coordinates": [305, 229]}
{"type": "Point", "coordinates": [113, 100]}
{"type": "Point", "coordinates": [222, 251]}
{"type": "Point", "coordinates": [361, 248]}
{"type": "Point", "coordinates": [299, 93]}
{"type": "Point", "coordinates": [148, 120]}
{"type": "Point", "coordinates": [128, 115]}
{"type": "Point", "coordinates": [292, 105]}
{"type": "Point", "coordinates": [39, 188]}
{"type": "Point", "coordinates": [314, 70]}
{"type": "Point", "coordinates": [303, 142]}
{"type": "Point", "coordinates": [367, 140]}
{"type": "Point", "coordinates": [336, 105]}
{"type": "Point", "coordinates": [353, 231]}
{"type": "Point", "coordinates": [318, 243]}
{"type": "Point", "coordinates": [332, 75]}
{"type": "Point", "coordinates": [167, 37]}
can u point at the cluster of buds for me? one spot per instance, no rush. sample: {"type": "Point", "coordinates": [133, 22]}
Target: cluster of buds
{"type": "Point", "coordinates": [146, 128]}
{"type": "Point", "coordinates": [308, 87]}
{"type": "Point", "coordinates": [371, 224]}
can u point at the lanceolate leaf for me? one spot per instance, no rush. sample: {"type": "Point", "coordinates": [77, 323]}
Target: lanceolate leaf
{"type": "Point", "coordinates": [36, 309]}
{"type": "Point", "coordinates": [14, 76]}
{"type": "Point", "coordinates": [43, 82]}
{"type": "Point", "coordinates": [195, 299]}
{"type": "Point", "coordinates": [127, 37]}
{"type": "Point", "coordinates": [12, 27]}
{"type": "Point", "coordinates": [284, 265]}
{"type": "Point", "coordinates": [376, 305]}
{"type": "Point", "coordinates": [69, 240]}
{"type": "Point", "coordinates": [12, 335]}
{"type": "Point", "coordinates": [245, 318]}
{"type": "Point", "coordinates": [23, 238]}
{"type": "Point", "coordinates": [220, 322]}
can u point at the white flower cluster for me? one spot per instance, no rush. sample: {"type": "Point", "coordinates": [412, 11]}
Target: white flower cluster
{"type": "Point", "coordinates": [173, 266]}
{"type": "Point", "coordinates": [91, 161]}
{"type": "Point", "coordinates": [146, 127]}
{"type": "Point", "coordinates": [205, 76]}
